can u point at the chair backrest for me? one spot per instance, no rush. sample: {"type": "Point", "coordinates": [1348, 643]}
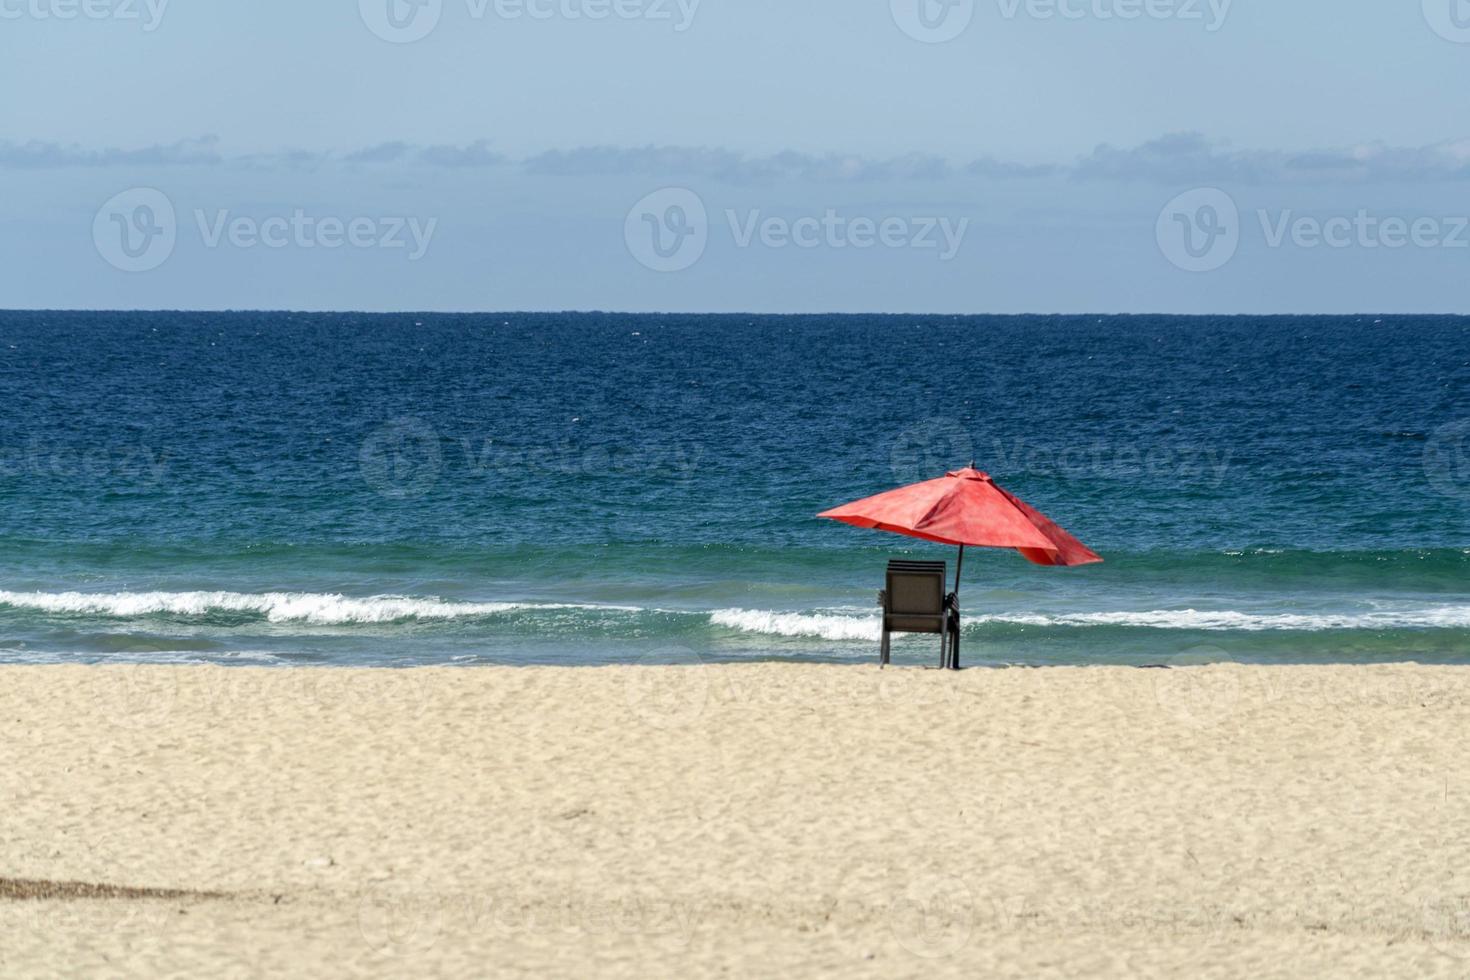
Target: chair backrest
{"type": "Point", "coordinates": [916, 588]}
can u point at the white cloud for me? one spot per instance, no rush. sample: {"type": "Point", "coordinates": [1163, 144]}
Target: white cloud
{"type": "Point", "coordinates": [1190, 158]}
{"type": "Point", "coordinates": [1172, 159]}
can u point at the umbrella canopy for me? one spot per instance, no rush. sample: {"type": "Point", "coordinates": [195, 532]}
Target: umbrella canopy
{"type": "Point", "coordinates": [965, 507]}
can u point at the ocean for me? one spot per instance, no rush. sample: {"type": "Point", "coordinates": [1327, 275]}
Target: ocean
{"type": "Point", "coordinates": [405, 489]}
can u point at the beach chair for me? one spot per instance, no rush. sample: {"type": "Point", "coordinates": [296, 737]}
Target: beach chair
{"type": "Point", "coordinates": [914, 601]}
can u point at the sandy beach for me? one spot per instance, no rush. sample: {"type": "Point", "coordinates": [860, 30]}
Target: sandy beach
{"type": "Point", "coordinates": [735, 820]}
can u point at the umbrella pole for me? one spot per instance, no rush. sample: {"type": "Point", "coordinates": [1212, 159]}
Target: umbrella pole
{"type": "Point", "coordinates": [954, 651]}
{"type": "Point", "coordinates": [959, 567]}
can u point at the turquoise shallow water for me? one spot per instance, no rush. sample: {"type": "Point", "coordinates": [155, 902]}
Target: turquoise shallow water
{"type": "Point", "coordinates": [397, 489]}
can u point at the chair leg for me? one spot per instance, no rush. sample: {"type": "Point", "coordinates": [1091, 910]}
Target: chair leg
{"type": "Point", "coordinates": [954, 643]}
{"type": "Point", "coordinates": [943, 648]}
{"type": "Point", "coordinates": [883, 649]}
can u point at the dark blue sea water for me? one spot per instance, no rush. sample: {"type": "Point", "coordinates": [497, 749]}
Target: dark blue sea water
{"type": "Point", "coordinates": [509, 488]}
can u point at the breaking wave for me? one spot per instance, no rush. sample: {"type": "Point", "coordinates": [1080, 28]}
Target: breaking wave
{"type": "Point", "coordinates": [839, 627]}
{"type": "Point", "coordinates": [834, 624]}
{"type": "Point", "coordinates": [276, 607]}
{"type": "Point", "coordinates": [1433, 617]}
{"type": "Point", "coordinates": [822, 626]}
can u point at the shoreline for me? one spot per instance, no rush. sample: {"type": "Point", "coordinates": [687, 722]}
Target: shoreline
{"type": "Point", "coordinates": [1222, 820]}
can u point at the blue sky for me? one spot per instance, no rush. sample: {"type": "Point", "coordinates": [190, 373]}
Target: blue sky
{"type": "Point", "coordinates": [987, 156]}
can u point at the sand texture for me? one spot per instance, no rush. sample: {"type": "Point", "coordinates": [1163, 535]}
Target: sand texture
{"type": "Point", "coordinates": [735, 820]}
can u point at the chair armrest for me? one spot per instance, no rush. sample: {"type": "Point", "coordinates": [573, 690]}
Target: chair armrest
{"type": "Point", "coordinates": [952, 601]}
{"type": "Point", "coordinates": [883, 598]}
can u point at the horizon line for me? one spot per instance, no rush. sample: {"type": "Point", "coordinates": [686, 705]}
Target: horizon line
{"type": "Point", "coordinates": [720, 313]}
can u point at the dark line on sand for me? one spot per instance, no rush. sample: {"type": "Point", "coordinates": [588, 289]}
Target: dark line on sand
{"type": "Point", "coordinates": [24, 888]}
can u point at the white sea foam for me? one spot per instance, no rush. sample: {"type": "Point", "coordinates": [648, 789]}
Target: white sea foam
{"type": "Point", "coordinates": [841, 623]}
{"type": "Point", "coordinates": [823, 626]}
{"type": "Point", "coordinates": [1227, 619]}
{"type": "Point", "coordinates": [839, 627]}
{"type": "Point", "coordinates": [185, 657]}
{"type": "Point", "coordinates": [277, 607]}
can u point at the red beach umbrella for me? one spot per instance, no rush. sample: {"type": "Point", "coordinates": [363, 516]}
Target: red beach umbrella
{"type": "Point", "coordinates": [965, 507]}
